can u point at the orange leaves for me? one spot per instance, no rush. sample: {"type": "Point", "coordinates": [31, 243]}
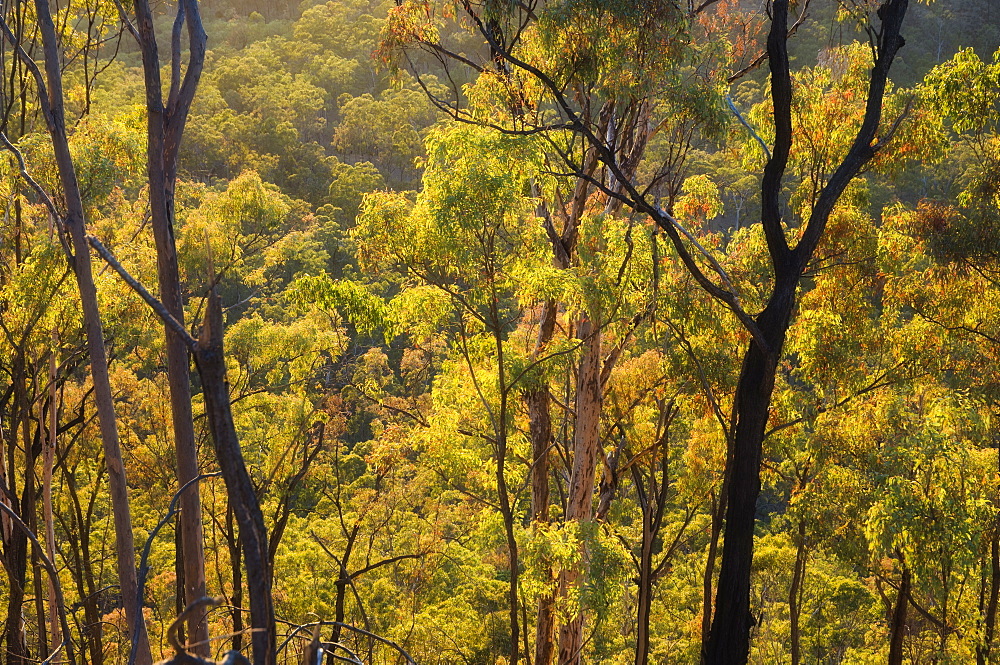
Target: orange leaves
{"type": "Point", "coordinates": [409, 23]}
{"type": "Point", "coordinates": [700, 201]}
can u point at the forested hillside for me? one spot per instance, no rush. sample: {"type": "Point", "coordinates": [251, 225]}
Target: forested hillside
{"type": "Point", "coordinates": [476, 332]}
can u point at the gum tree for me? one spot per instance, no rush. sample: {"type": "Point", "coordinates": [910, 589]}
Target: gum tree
{"type": "Point", "coordinates": [560, 81]}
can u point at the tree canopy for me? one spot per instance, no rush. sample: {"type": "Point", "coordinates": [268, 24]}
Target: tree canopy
{"type": "Point", "coordinates": [478, 332]}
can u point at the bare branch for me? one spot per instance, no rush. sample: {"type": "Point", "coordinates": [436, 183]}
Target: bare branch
{"type": "Point", "coordinates": [759, 60]}
{"type": "Point", "coordinates": [126, 21]}
{"type": "Point", "coordinates": [42, 194]}
{"type": "Point", "coordinates": [50, 568]}
{"type": "Point", "coordinates": [175, 55]}
{"type": "Point", "coordinates": [774, 170]}
{"type": "Point", "coordinates": [36, 73]}
{"type": "Point", "coordinates": [865, 142]}
{"type": "Point", "coordinates": [144, 560]}
{"type": "Point", "coordinates": [157, 306]}
{"type": "Point", "coordinates": [743, 121]}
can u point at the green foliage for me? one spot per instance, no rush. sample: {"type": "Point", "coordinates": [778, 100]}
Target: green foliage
{"type": "Point", "coordinates": [385, 272]}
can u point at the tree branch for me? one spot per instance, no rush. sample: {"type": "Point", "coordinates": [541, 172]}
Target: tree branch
{"type": "Point", "coordinates": [157, 306]}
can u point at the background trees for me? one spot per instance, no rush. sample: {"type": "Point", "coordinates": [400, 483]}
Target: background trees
{"type": "Point", "coordinates": [484, 403]}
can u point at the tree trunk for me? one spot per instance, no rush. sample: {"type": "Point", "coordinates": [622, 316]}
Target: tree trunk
{"type": "Point", "coordinates": [84, 572]}
{"type": "Point", "coordinates": [795, 593]}
{"type": "Point", "coordinates": [645, 599]}
{"type": "Point", "coordinates": [235, 567]}
{"type": "Point", "coordinates": [540, 426]}
{"type": "Point", "coordinates": [990, 619]}
{"type": "Point", "coordinates": [343, 580]}
{"type": "Point", "coordinates": [16, 545]}
{"type": "Point", "coordinates": [540, 423]}
{"type": "Point", "coordinates": [991, 607]}
{"type": "Point", "coordinates": [897, 630]}
{"type": "Point", "coordinates": [729, 638]}
{"type": "Point", "coordinates": [713, 553]}
{"type": "Point", "coordinates": [47, 516]}
{"type": "Point", "coordinates": [16, 564]}
{"type": "Point", "coordinates": [586, 443]}
{"type": "Point", "coordinates": [74, 222]}
{"type": "Point", "coordinates": [239, 486]}
{"type": "Point", "coordinates": [164, 129]}
{"type": "Point", "coordinates": [42, 633]}
{"type": "Point", "coordinates": [503, 493]}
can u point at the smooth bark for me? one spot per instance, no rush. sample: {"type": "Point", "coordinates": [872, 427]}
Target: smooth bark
{"type": "Point", "coordinates": [586, 444]}
{"type": "Point", "coordinates": [210, 358]}
{"type": "Point", "coordinates": [75, 226]}
{"type": "Point", "coordinates": [729, 638]}
{"type": "Point", "coordinates": [165, 126]}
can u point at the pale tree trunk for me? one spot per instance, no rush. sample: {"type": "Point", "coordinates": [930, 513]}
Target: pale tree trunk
{"type": "Point", "coordinates": [48, 462]}
{"type": "Point", "coordinates": [165, 125]}
{"type": "Point", "coordinates": [538, 399]}
{"type": "Point", "coordinates": [586, 444]}
{"type": "Point", "coordinates": [74, 222]}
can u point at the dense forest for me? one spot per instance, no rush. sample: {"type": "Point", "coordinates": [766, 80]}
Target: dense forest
{"type": "Point", "coordinates": [475, 332]}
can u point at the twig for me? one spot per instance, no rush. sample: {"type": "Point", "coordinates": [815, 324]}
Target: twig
{"type": "Point", "coordinates": [53, 575]}
{"type": "Point", "coordinates": [753, 133]}
{"type": "Point", "coordinates": [188, 612]}
{"type": "Point", "coordinates": [42, 194]}
{"type": "Point", "coordinates": [144, 560]}
{"type": "Point", "coordinates": [361, 631]}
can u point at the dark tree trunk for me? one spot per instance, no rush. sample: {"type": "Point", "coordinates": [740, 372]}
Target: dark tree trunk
{"type": "Point", "coordinates": [729, 639]}
{"type": "Point", "coordinates": [990, 617]}
{"type": "Point", "coordinates": [165, 125]}
{"type": "Point", "coordinates": [645, 591]}
{"type": "Point", "coordinates": [897, 629]}
{"type": "Point", "coordinates": [343, 580]}
{"type": "Point", "coordinates": [540, 426]}
{"type": "Point", "coordinates": [653, 502]}
{"type": "Point", "coordinates": [84, 574]}
{"type": "Point", "coordinates": [795, 593]}
{"type": "Point", "coordinates": [41, 624]}
{"type": "Point", "coordinates": [540, 423]}
{"type": "Point", "coordinates": [16, 560]}
{"type": "Point", "coordinates": [991, 608]}
{"type": "Point", "coordinates": [236, 600]}
{"type": "Point", "coordinates": [239, 486]}
{"type": "Point", "coordinates": [16, 548]}
{"type": "Point", "coordinates": [506, 509]}
{"type": "Point", "coordinates": [713, 553]}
